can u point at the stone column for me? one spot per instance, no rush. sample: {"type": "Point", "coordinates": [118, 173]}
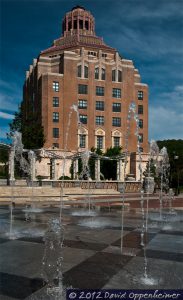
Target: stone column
{"type": "Point", "coordinates": [120, 173]}
{"type": "Point", "coordinates": [53, 169]}
{"type": "Point", "coordinates": [75, 169]}
{"type": "Point", "coordinates": [11, 166]}
{"type": "Point", "coordinates": [32, 165]}
{"type": "Point", "coordinates": [97, 169]}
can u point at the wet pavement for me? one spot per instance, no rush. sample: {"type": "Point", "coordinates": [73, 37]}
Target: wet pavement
{"type": "Point", "coordinates": [91, 252]}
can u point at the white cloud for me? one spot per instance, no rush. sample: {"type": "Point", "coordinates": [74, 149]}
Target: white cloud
{"type": "Point", "coordinates": [173, 99]}
{"type": "Point", "coordinates": [8, 102]}
{"type": "Point", "coordinates": [165, 123]}
{"type": "Point", "coordinates": [166, 118]}
{"type": "Point", "coordinates": [10, 96]}
{"type": "Point", "coordinates": [6, 116]}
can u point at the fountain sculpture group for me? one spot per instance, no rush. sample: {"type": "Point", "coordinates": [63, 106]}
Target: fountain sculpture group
{"type": "Point", "coordinates": [54, 237]}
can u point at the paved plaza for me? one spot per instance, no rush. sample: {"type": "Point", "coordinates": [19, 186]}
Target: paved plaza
{"type": "Point", "coordinates": [91, 252]}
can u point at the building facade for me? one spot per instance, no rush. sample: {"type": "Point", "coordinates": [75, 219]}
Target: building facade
{"type": "Point", "coordinates": [80, 90]}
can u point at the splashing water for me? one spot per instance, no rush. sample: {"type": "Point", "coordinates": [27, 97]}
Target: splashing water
{"type": "Point", "coordinates": [153, 159]}
{"type": "Point", "coordinates": [52, 259]}
{"type": "Point", "coordinates": [163, 170]}
{"type": "Point", "coordinates": [131, 110]}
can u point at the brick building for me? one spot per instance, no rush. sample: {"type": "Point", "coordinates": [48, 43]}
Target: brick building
{"type": "Point", "coordinates": [79, 68]}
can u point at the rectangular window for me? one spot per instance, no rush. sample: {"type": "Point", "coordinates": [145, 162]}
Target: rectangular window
{"type": "Point", "coordinates": [141, 149]}
{"type": "Point", "coordinates": [119, 76]}
{"type": "Point", "coordinates": [100, 105]}
{"type": "Point", "coordinates": [55, 145]}
{"type": "Point", "coordinates": [116, 141]}
{"type": "Point", "coordinates": [96, 73]}
{"type": "Point", "coordinates": [103, 74]}
{"type": "Point", "coordinates": [116, 93]}
{"type": "Point", "coordinates": [56, 86]}
{"type": "Point", "coordinates": [140, 138]}
{"type": "Point", "coordinates": [99, 120]}
{"type": "Point", "coordinates": [140, 123]}
{"type": "Point", "coordinates": [116, 122]}
{"type": "Point", "coordinates": [82, 89]}
{"type": "Point", "coordinates": [140, 95]}
{"type": "Point", "coordinates": [113, 75]}
{"type": "Point", "coordinates": [100, 142]}
{"type": "Point", "coordinates": [83, 119]}
{"type": "Point", "coordinates": [56, 132]}
{"type": "Point", "coordinates": [80, 24]}
{"type": "Point", "coordinates": [82, 141]}
{"type": "Point", "coordinates": [55, 117]}
{"type": "Point", "coordinates": [75, 24]}
{"type": "Point", "coordinates": [140, 109]}
{"type": "Point", "coordinates": [85, 72]}
{"type": "Point", "coordinates": [104, 55]}
{"type": "Point", "coordinates": [79, 71]}
{"type": "Point", "coordinates": [82, 104]}
{"type": "Point", "coordinates": [116, 107]}
{"type": "Point", "coordinates": [92, 53]}
{"type": "Point", "coordinates": [99, 90]}
{"type": "Point", "coordinates": [86, 25]}
{"type": "Point", "coordinates": [55, 102]}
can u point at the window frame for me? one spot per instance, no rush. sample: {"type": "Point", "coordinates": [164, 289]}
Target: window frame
{"type": "Point", "coordinates": [82, 142]}
{"type": "Point", "coordinates": [114, 139]}
{"type": "Point", "coordinates": [55, 116]}
{"type": "Point", "coordinates": [100, 91]}
{"type": "Point", "coordinates": [99, 105]}
{"type": "Point", "coordinates": [140, 110]}
{"type": "Point", "coordinates": [99, 120]}
{"type": "Point", "coordinates": [115, 122]}
{"type": "Point", "coordinates": [116, 93]}
{"type": "Point", "coordinates": [141, 138]}
{"type": "Point", "coordinates": [100, 141]}
{"type": "Point", "coordinates": [140, 95]}
{"type": "Point", "coordinates": [97, 73]}
{"type": "Point", "coordinates": [86, 72]}
{"type": "Point", "coordinates": [120, 78]}
{"type": "Point", "coordinates": [103, 74]}
{"type": "Point", "coordinates": [141, 123]}
{"type": "Point", "coordinates": [55, 86]}
{"type": "Point", "coordinates": [55, 101]}
{"type": "Point", "coordinates": [113, 74]}
{"type": "Point", "coordinates": [79, 71]}
{"type": "Point", "coordinates": [83, 119]}
{"type": "Point", "coordinates": [114, 109]}
{"type": "Point", "coordinates": [82, 89]}
{"type": "Point", "coordinates": [55, 132]}
{"type": "Point", "coordinates": [81, 104]}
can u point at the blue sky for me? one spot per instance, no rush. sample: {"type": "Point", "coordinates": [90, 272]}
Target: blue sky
{"type": "Point", "coordinates": [150, 32]}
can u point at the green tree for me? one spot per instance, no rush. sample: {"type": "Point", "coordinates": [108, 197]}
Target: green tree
{"type": "Point", "coordinates": [4, 155]}
{"type": "Point", "coordinates": [31, 129]}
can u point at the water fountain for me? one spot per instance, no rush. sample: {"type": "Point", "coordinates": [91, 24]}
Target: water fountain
{"type": "Point", "coordinates": [131, 110]}
{"type": "Point", "coordinates": [52, 259]}
{"type": "Point", "coordinates": [54, 237]}
{"type": "Point", "coordinates": [163, 169]}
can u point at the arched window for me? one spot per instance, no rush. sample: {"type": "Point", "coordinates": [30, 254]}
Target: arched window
{"type": "Point", "coordinates": [103, 74]}
{"type": "Point", "coordinates": [79, 71]}
{"type": "Point", "coordinates": [85, 72]}
{"type": "Point", "coordinates": [96, 73]}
